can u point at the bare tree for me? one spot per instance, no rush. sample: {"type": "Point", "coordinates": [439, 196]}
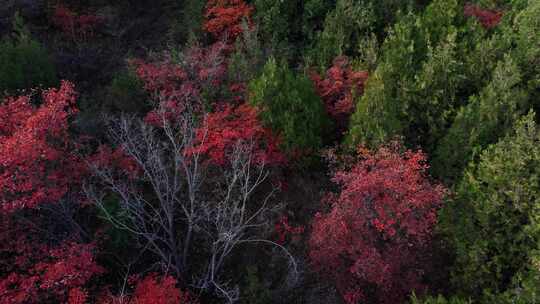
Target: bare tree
{"type": "Point", "coordinates": [187, 206]}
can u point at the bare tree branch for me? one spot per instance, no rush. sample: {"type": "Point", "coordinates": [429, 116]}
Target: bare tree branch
{"type": "Point", "coordinates": [166, 206]}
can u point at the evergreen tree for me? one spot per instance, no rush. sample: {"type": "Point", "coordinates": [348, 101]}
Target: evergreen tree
{"type": "Point", "coordinates": [415, 87]}
{"type": "Point", "coordinates": [482, 121]}
{"type": "Point", "coordinates": [290, 106]}
{"type": "Point", "coordinates": [511, 90]}
{"type": "Point", "coordinates": [494, 222]}
{"type": "Point", "coordinates": [24, 62]}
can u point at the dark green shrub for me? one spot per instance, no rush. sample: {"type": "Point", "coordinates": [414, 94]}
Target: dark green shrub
{"type": "Point", "coordinates": [528, 47]}
{"type": "Point", "coordinates": [344, 26]}
{"type": "Point", "coordinates": [290, 107]}
{"type": "Point", "coordinates": [248, 57]}
{"type": "Point", "coordinates": [255, 292]}
{"type": "Point", "coordinates": [314, 14]}
{"type": "Point", "coordinates": [493, 222]}
{"type": "Point", "coordinates": [24, 62]}
{"type": "Point", "coordinates": [126, 93]}
{"type": "Point", "coordinates": [187, 20]}
{"type": "Point", "coordinates": [288, 27]}
{"type": "Point", "coordinates": [278, 22]}
{"type": "Point", "coordinates": [438, 300]}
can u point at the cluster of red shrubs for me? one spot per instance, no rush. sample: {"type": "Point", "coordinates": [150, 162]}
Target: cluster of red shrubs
{"type": "Point", "coordinates": [171, 88]}
{"type": "Point", "coordinates": [78, 27]}
{"type": "Point", "coordinates": [338, 89]}
{"type": "Point", "coordinates": [106, 157]}
{"type": "Point", "coordinates": [224, 18]}
{"type": "Point", "coordinates": [488, 18]}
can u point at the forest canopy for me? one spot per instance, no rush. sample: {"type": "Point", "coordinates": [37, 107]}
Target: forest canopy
{"type": "Point", "coordinates": [268, 151]}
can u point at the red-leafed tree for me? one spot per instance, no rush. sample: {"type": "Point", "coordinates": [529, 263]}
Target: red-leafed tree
{"type": "Point", "coordinates": [39, 177]}
{"type": "Point", "coordinates": [224, 18]}
{"type": "Point", "coordinates": [152, 289]}
{"type": "Point", "coordinates": [488, 18]}
{"type": "Point", "coordinates": [224, 129]}
{"type": "Point", "coordinates": [78, 27]}
{"type": "Point", "coordinates": [338, 88]}
{"type": "Point", "coordinates": [373, 239]}
{"type": "Point", "coordinates": [169, 86]}
{"type": "Point", "coordinates": [34, 271]}
{"type": "Point", "coordinates": [37, 163]}
{"type": "Point", "coordinates": [180, 86]}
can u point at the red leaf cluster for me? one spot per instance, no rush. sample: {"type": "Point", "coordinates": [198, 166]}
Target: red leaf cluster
{"type": "Point", "coordinates": [71, 265]}
{"type": "Point", "coordinates": [35, 272]}
{"type": "Point", "coordinates": [154, 289]}
{"type": "Point", "coordinates": [38, 166]}
{"type": "Point", "coordinates": [171, 88]}
{"type": "Point", "coordinates": [224, 129]}
{"type": "Point", "coordinates": [37, 163]}
{"type": "Point", "coordinates": [284, 230]}
{"type": "Point", "coordinates": [164, 78]}
{"type": "Point", "coordinates": [488, 18]}
{"type": "Point", "coordinates": [179, 87]}
{"type": "Point", "coordinates": [378, 227]}
{"type": "Point", "coordinates": [338, 89]}
{"type": "Point", "coordinates": [78, 27]}
{"type": "Point", "coordinates": [224, 18]}
{"type": "Point", "coordinates": [106, 157]}
{"type": "Point", "coordinates": [77, 296]}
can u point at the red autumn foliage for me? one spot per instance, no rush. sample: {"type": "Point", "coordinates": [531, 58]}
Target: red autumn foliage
{"type": "Point", "coordinates": [224, 129]}
{"type": "Point", "coordinates": [106, 157]}
{"type": "Point", "coordinates": [373, 239]}
{"type": "Point", "coordinates": [160, 290]}
{"type": "Point", "coordinates": [37, 163]}
{"type": "Point", "coordinates": [35, 272]}
{"type": "Point", "coordinates": [238, 92]}
{"type": "Point", "coordinates": [78, 27]}
{"type": "Point", "coordinates": [77, 296]}
{"type": "Point", "coordinates": [488, 18]}
{"type": "Point", "coordinates": [163, 78]}
{"type": "Point", "coordinates": [172, 90]}
{"type": "Point", "coordinates": [178, 87]}
{"type": "Point", "coordinates": [284, 230]}
{"type": "Point", "coordinates": [38, 166]}
{"type": "Point", "coordinates": [338, 89]}
{"type": "Point", "coordinates": [224, 18]}
{"type": "Point", "coordinates": [153, 289]}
